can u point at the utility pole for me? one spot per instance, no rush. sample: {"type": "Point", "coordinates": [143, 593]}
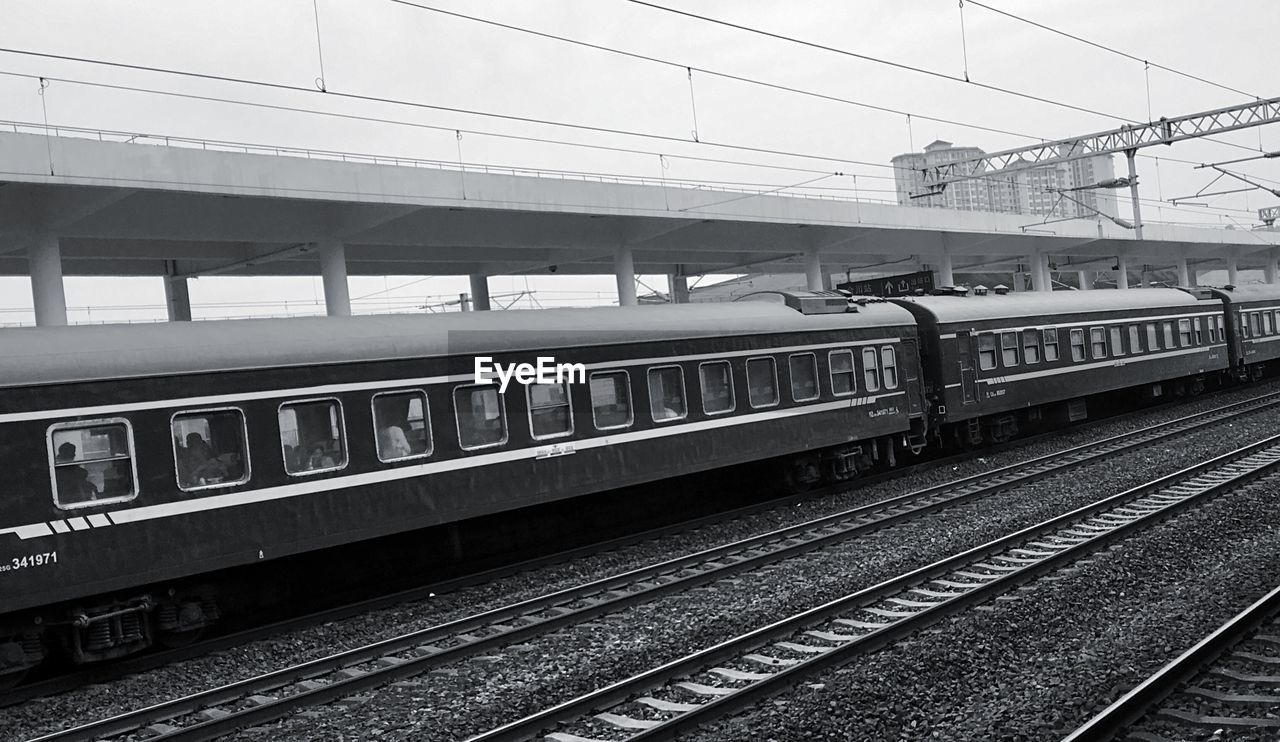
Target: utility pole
{"type": "Point", "coordinates": [1131, 155]}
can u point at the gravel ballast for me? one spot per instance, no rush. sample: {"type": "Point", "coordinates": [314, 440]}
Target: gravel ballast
{"type": "Point", "coordinates": [471, 697]}
{"type": "Point", "coordinates": [475, 695]}
{"type": "Point", "coordinates": [1037, 667]}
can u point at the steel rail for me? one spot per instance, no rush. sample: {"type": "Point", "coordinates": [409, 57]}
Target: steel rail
{"type": "Point", "coordinates": [1148, 694]}
{"type": "Point", "coordinates": [1046, 546]}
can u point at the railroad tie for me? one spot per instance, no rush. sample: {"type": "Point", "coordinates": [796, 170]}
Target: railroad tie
{"type": "Point", "coordinates": [661, 705]}
{"type": "Point", "coordinates": [627, 722]}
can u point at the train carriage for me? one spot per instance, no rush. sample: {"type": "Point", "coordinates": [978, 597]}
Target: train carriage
{"type": "Point", "coordinates": [1253, 334]}
{"type": "Point", "coordinates": [995, 362]}
{"type": "Point", "coordinates": [138, 458]}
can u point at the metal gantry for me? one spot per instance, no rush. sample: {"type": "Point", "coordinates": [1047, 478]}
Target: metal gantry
{"type": "Point", "coordinates": [1127, 139]}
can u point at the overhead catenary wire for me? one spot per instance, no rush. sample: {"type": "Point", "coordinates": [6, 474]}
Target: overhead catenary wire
{"type": "Point", "coordinates": [421, 125]}
{"type": "Point", "coordinates": [366, 98]}
{"type": "Point", "coordinates": [707, 71]}
{"type": "Point", "coordinates": [518, 118]}
{"type": "Point", "coordinates": [1110, 49]}
{"type": "Point", "coordinates": [906, 67]}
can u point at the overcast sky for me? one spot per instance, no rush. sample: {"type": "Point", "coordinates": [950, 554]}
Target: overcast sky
{"type": "Point", "coordinates": [384, 49]}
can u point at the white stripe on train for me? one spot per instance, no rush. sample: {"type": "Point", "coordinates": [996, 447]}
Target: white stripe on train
{"type": "Point", "coordinates": [217, 502]}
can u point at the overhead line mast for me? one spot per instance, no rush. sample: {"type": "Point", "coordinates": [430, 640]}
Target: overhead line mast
{"type": "Point", "coordinates": [1127, 139]}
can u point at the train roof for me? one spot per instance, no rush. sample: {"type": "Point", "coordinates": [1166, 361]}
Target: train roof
{"type": "Point", "coordinates": [51, 355]}
{"type": "Point", "coordinates": [1042, 304]}
{"type": "Point", "coordinates": [1251, 292]}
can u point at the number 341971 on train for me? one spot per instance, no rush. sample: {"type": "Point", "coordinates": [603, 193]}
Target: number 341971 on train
{"type": "Point", "coordinates": [30, 560]}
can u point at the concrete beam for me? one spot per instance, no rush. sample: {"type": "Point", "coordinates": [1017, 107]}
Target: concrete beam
{"type": "Point", "coordinates": [50, 298]}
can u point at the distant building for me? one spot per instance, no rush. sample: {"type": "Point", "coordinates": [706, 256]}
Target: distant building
{"type": "Point", "coordinates": [1026, 191]}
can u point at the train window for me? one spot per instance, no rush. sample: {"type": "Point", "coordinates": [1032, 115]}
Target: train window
{"type": "Point", "coordinates": [1242, 325]}
{"type": "Point", "coordinates": [550, 415]}
{"type": "Point", "coordinates": [1077, 344]}
{"type": "Point", "coordinates": [666, 394]}
{"type": "Point", "coordinates": [210, 449]}
{"type": "Point", "coordinates": [762, 382]}
{"type": "Point", "coordinates": [482, 416]}
{"type": "Point", "coordinates": [1168, 334]}
{"type": "Point", "coordinates": [889, 366]}
{"type": "Point", "coordinates": [401, 425]}
{"type": "Point", "coordinates": [1135, 339]}
{"type": "Point", "coordinates": [611, 400]}
{"type": "Point", "coordinates": [1117, 341]}
{"type": "Point", "coordinates": [1097, 342]}
{"type": "Point", "coordinates": [870, 370]}
{"type": "Point", "coordinates": [986, 352]}
{"type": "Point", "coordinates": [1050, 344]}
{"type": "Point", "coordinates": [1267, 327]}
{"type": "Point", "coordinates": [1214, 326]}
{"type": "Point", "coordinates": [1031, 346]}
{"type": "Point", "coordinates": [312, 436]}
{"type": "Point", "coordinates": [1257, 323]}
{"type": "Point", "coordinates": [1009, 349]}
{"type": "Point", "coordinates": [1184, 333]}
{"type": "Point", "coordinates": [1199, 331]}
{"type": "Point", "coordinates": [92, 463]}
{"type": "Point", "coordinates": [804, 376]}
{"type": "Point", "coordinates": [717, 387]}
{"type": "Point", "coordinates": [1153, 342]}
{"type": "Point", "coordinates": [843, 379]}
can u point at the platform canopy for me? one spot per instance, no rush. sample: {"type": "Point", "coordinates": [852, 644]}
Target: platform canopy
{"type": "Point", "coordinates": [129, 209]}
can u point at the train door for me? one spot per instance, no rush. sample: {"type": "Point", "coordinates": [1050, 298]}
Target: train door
{"type": "Point", "coordinates": [968, 373]}
{"type": "Point", "coordinates": [915, 405]}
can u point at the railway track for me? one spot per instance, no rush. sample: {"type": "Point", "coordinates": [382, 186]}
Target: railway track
{"type": "Point", "coordinates": [722, 680]}
{"type": "Point", "coordinates": [277, 694]}
{"type": "Point", "coordinates": [1230, 681]}
{"type": "Point", "coordinates": [106, 673]}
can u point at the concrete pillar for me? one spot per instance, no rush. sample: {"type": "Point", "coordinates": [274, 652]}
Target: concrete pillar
{"type": "Point", "coordinates": [1039, 270]}
{"type": "Point", "coordinates": [1122, 273]}
{"type": "Point", "coordinates": [1085, 279]}
{"type": "Point", "coordinates": [1184, 275]}
{"type": "Point", "coordinates": [177, 298]}
{"type": "Point", "coordinates": [946, 274]}
{"type": "Point", "coordinates": [1233, 271]}
{"type": "Point", "coordinates": [480, 292]}
{"type": "Point", "coordinates": [1193, 276]}
{"type": "Point", "coordinates": [333, 268]}
{"type": "Point", "coordinates": [624, 269]}
{"type": "Point", "coordinates": [813, 270]}
{"type": "Point", "coordinates": [45, 258]}
{"type": "Point", "coordinates": [1273, 267]}
{"type": "Point", "coordinates": [679, 289]}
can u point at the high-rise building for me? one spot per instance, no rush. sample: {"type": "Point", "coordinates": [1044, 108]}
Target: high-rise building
{"type": "Point", "coordinates": [1032, 190]}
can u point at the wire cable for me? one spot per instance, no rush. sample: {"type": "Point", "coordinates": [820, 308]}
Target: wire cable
{"type": "Point", "coordinates": [365, 98]}
{"type": "Point", "coordinates": [909, 68]}
{"type": "Point", "coordinates": [706, 71]}
{"type": "Point", "coordinates": [878, 60]}
{"type": "Point", "coordinates": [1113, 50]}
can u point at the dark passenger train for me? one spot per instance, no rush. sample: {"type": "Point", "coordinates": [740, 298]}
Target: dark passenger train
{"type": "Point", "coordinates": [139, 458]}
